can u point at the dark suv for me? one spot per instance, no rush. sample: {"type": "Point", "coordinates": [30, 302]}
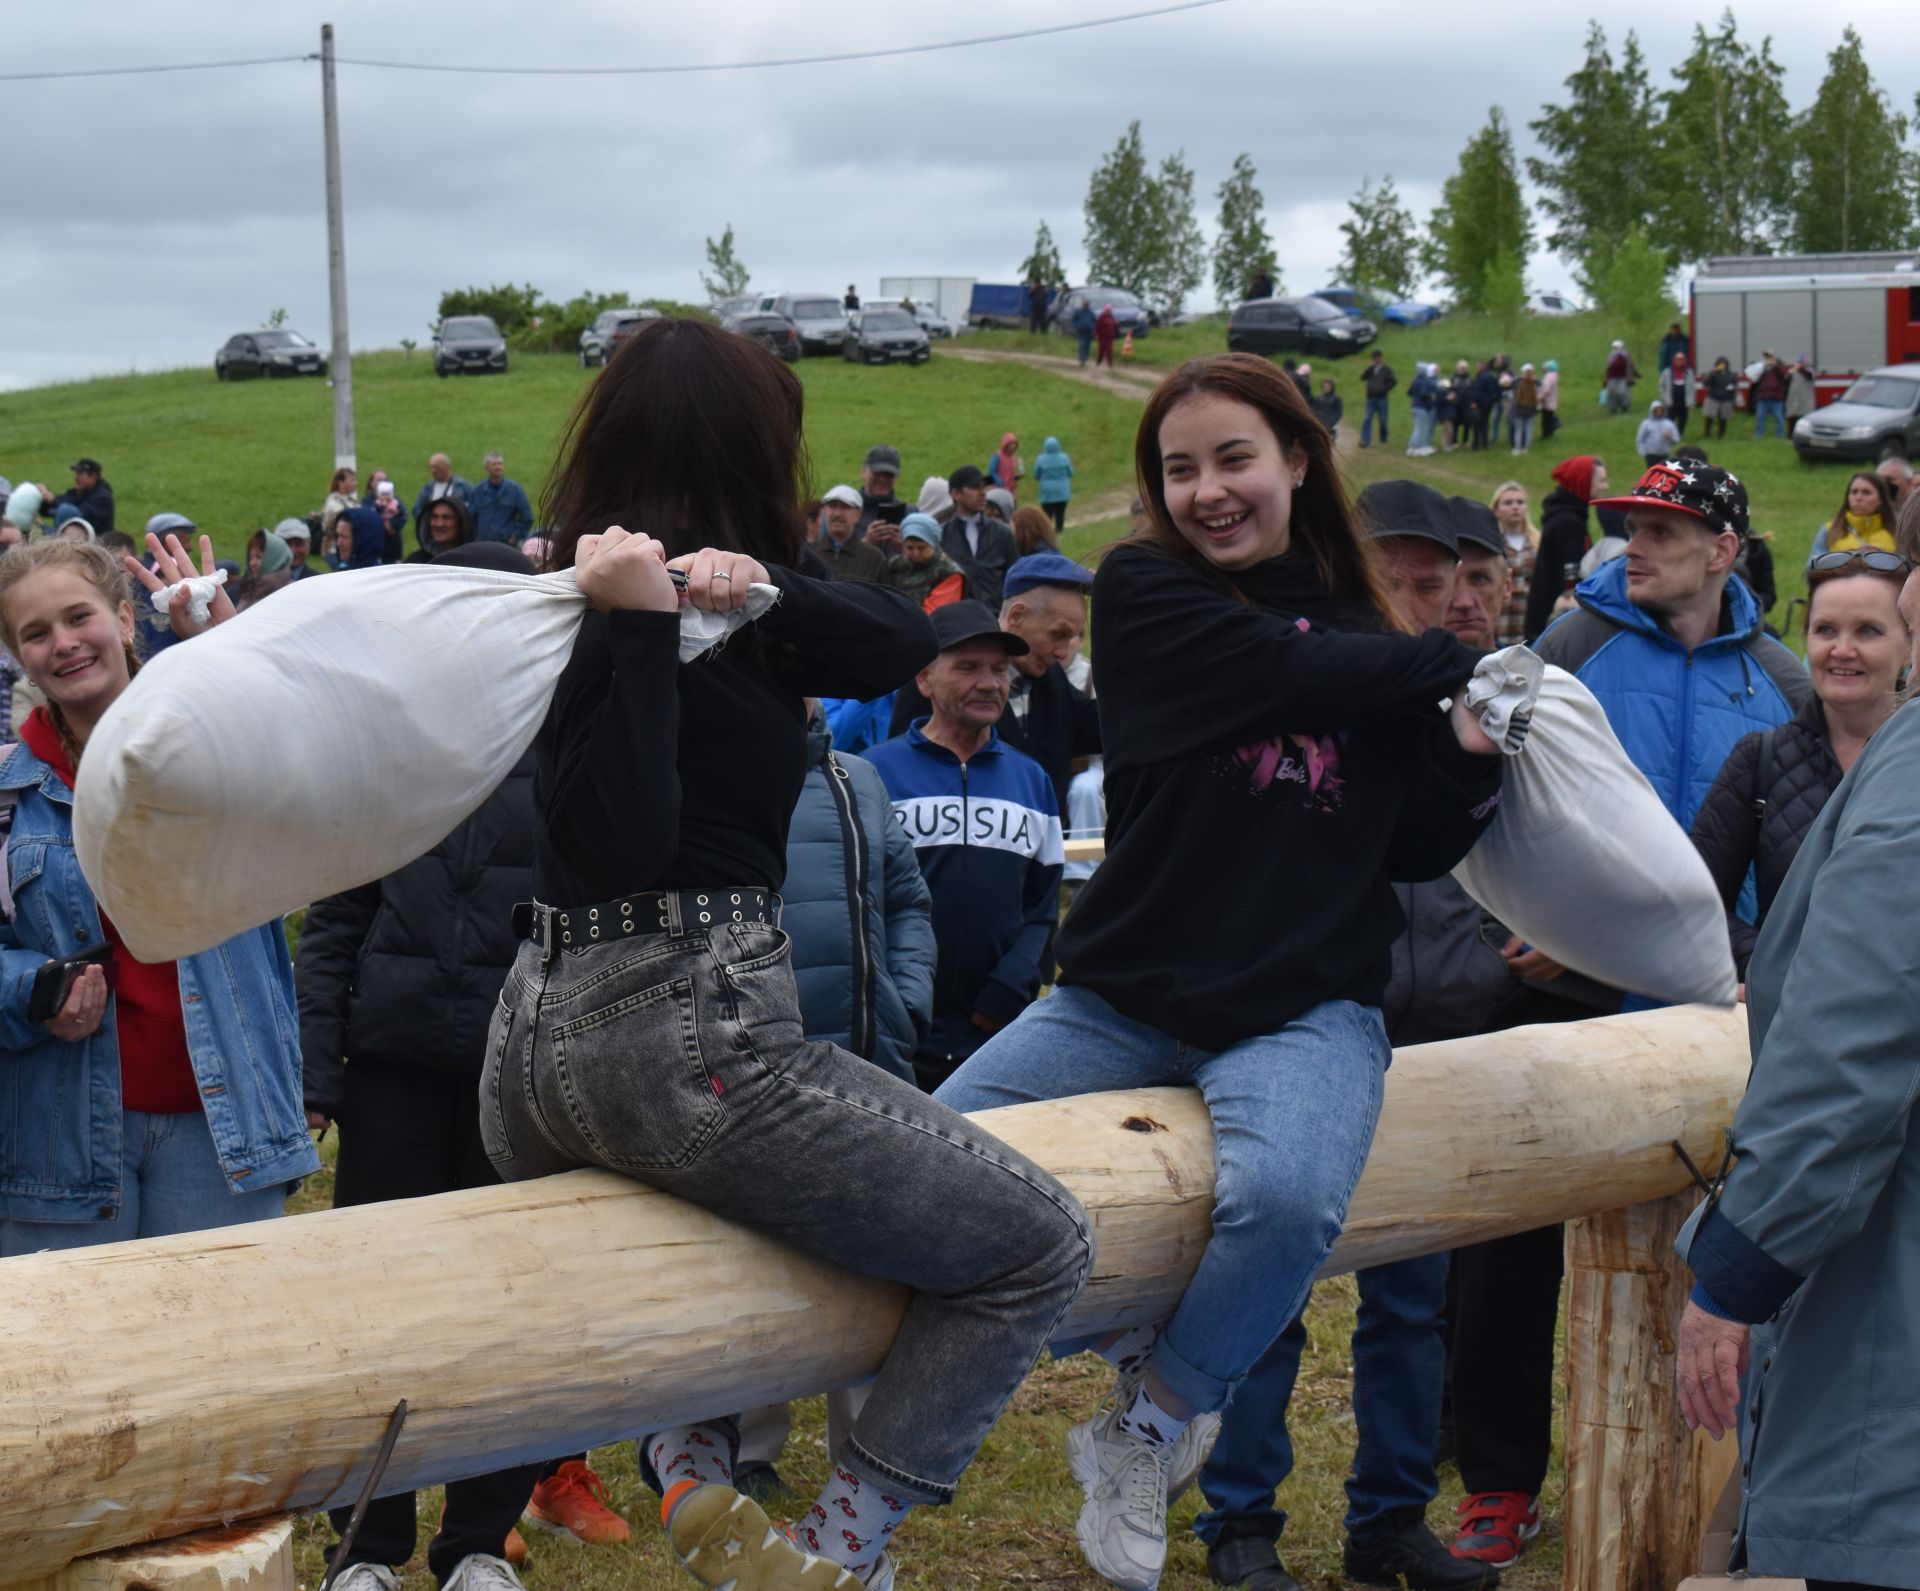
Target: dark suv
{"type": "Point", "coordinates": [1297, 325]}
{"type": "Point", "coordinates": [469, 342]}
{"type": "Point", "coordinates": [273, 352]}
{"type": "Point", "coordinates": [611, 327]}
{"type": "Point", "coordinates": [773, 332]}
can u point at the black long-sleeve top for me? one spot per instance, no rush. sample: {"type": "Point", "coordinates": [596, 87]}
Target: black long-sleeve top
{"type": "Point", "coordinates": [1270, 770]}
{"type": "Point", "coordinates": [654, 775]}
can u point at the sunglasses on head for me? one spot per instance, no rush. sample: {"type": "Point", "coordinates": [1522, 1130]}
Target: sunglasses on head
{"type": "Point", "coordinates": [1870, 558]}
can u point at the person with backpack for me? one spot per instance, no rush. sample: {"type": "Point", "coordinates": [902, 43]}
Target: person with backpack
{"type": "Point", "coordinates": [142, 1098]}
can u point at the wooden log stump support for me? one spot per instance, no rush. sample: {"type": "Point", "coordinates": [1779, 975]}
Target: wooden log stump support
{"type": "Point", "coordinates": [1640, 1486]}
{"type": "Point", "coordinates": [256, 1556]}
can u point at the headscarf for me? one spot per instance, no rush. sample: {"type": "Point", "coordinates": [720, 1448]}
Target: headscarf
{"type": "Point", "coordinates": [275, 554]}
{"type": "Point", "coordinates": [1576, 475]}
{"type": "Point", "coordinates": [934, 496]}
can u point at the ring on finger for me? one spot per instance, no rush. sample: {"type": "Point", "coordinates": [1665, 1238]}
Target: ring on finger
{"type": "Point", "coordinates": [722, 575]}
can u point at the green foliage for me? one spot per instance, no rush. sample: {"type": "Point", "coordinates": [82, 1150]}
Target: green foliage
{"type": "Point", "coordinates": [1504, 293]}
{"type": "Point", "coordinates": [277, 319]}
{"type": "Point", "coordinates": [1243, 250]}
{"type": "Point", "coordinates": [1481, 211]}
{"type": "Point", "coordinates": [1602, 155]}
{"type": "Point", "coordinates": [1382, 251]}
{"type": "Point", "coordinates": [1043, 263]}
{"type": "Point", "coordinates": [407, 346]}
{"type": "Point", "coordinates": [511, 307]}
{"type": "Point", "coordinates": [1141, 231]}
{"type": "Point", "coordinates": [556, 328]}
{"type": "Point", "coordinates": [730, 276]}
{"type": "Point", "coordinates": [1853, 186]}
{"type": "Point", "coordinates": [1633, 290]}
{"type": "Point", "coordinates": [1726, 150]}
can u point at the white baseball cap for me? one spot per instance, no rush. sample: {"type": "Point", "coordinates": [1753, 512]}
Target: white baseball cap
{"type": "Point", "coordinates": [844, 494]}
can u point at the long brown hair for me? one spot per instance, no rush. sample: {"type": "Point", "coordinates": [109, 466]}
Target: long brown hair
{"type": "Point", "coordinates": [692, 435]}
{"type": "Point", "coordinates": [1838, 525]}
{"type": "Point", "coordinates": [1033, 531]}
{"type": "Point", "coordinates": [1323, 522]}
{"type": "Point", "coordinates": [95, 565]}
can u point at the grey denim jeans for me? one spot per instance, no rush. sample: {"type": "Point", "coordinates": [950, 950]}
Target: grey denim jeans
{"type": "Point", "coordinates": [678, 1059]}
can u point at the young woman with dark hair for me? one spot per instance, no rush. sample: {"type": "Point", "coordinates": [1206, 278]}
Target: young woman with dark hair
{"type": "Point", "coordinates": [650, 1023]}
{"type": "Point", "coordinates": [1276, 756]}
{"type": "Point", "coordinates": [1863, 520]}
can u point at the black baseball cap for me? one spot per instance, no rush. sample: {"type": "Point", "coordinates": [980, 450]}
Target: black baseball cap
{"type": "Point", "coordinates": [959, 622]}
{"type": "Point", "coordinates": [966, 475]}
{"type": "Point", "coordinates": [1705, 491]}
{"type": "Point", "coordinates": [1476, 525]}
{"type": "Point", "coordinates": [1407, 508]}
{"type": "Point", "coordinates": [91, 466]}
{"type": "Point", "coordinates": [883, 460]}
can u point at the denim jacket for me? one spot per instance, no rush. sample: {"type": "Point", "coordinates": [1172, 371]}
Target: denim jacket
{"type": "Point", "coordinates": [60, 1112]}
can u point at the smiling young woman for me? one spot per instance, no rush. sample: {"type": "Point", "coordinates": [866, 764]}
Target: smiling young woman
{"type": "Point", "coordinates": [154, 1098]}
{"type": "Point", "coordinates": [1276, 754]}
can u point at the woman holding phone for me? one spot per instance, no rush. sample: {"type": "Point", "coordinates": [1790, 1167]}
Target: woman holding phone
{"type": "Point", "coordinates": [1277, 756]}
{"type": "Point", "coordinates": [137, 1098]}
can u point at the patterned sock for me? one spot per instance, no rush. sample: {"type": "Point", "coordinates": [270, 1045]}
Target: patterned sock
{"type": "Point", "coordinates": [1131, 1350]}
{"type": "Point", "coordinates": [689, 1453]}
{"type": "Point", "coordinates": [852, 1521]}
{"type": "Point", "coordinates": [1146, 1421]}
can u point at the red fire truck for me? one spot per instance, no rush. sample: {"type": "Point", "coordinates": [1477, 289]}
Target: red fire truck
{"type": "Point", "coordinates": [1846, 314]}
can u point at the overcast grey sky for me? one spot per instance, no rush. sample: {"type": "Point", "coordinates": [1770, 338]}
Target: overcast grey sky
{"type": "Point", "coordinates": [153, 216]}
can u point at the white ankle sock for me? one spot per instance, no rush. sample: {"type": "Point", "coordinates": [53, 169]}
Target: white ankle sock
{"type": "Point", "coordinates": [1131, 1350]}
{"type": "Point", "coordinates": [1146, 1421]}
{"type": "Point", "coordinates": [689, 1453]}
{"type": "Point", "coordinates": [852, 1521]}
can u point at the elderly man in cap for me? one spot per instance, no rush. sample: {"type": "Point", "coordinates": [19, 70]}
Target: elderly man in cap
{"type": "Point", "coordinates": [979, 544]}
{"type": "Point", "coordinates": [298, 535]}
{"type": "Point", "coordinates": [91, 496]}
{"type": "Point", "coordinates": [986, 828]}
{"type": "Point", "coordinates": [1412, 530]}
{"type": "Point", "coordinates": [878, 477]}
{"type": "Point", "coordinates": [846, 556]}
{"type": "Point", "coordinates": [1044, 602]}
{"type": "Point", "coordinates": [1484, 579]}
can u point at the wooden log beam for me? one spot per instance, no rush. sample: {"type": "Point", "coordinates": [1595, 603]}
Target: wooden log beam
{"type": "Point", "coordinates": [151, 1389]}
{"type": "Point", "coordinates": [1640, 1486]}
{"type": "Point", "coordinates": [250, 1557]}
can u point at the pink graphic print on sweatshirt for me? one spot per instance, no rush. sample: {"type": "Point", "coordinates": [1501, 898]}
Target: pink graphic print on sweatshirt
{"type": "Point", "coordinates": [1310, 760]}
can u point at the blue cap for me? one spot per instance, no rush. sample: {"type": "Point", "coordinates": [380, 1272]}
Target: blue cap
{"type": "Point", "coordinates": [1044, 569]}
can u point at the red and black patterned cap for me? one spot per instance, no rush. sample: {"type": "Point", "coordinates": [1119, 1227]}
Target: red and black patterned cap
{"type": "Point", "coordinates": [1702, 490]}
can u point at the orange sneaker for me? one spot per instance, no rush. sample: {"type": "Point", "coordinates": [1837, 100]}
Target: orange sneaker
{"type": "Point", "coordinates": [573, 1502]}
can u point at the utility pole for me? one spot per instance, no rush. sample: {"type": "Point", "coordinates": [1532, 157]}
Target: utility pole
{"type": "Point", "coordinates": [342, 362]}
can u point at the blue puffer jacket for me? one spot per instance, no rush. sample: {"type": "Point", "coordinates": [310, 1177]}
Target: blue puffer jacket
{"type": "Point", "coordinates": [1053, 473]}
{"type": "Point", "coordinates": [865, 972]}
{"type": "Point", "coordinates": [1677, 715]}
{"type": "Point", "coordinates": [60, 1112]}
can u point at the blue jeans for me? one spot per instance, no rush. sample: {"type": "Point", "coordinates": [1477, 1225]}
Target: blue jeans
{"type": "Point", "coordinates": [1376, 408]}
{"type": "Point", "coordinates": [1399, 1369]}
{"type": "Point", "coordinates": [1765, 409]}
{"type": "Point", "coordinates": [1086, 345]}
{"type": "Point", "coordinates": [170, 1181]}
{"type": "Point", "coordinates": [1422, 430]}
{"type": "Point", "coordinates": [1293, 1118]}
{"type": "Point", "coordinates": [1520, 431]}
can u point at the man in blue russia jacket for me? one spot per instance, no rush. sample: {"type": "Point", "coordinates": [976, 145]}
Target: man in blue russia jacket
{"type": "Point", "coordinates": [1670, 640]}
{"type": "Point", "coordinates": [985, 824]}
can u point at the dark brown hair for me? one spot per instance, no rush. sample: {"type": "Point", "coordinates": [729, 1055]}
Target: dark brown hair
{"type": "Point", "coordinates": [692, 435]}
{"type": "Point", "coordinates": [1323, 523]}
{"type": "Point", "coordinates": [1838, 526]}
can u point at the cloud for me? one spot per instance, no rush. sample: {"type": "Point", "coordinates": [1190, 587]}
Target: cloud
{"type": "Point", "coordinates": [171, 210]}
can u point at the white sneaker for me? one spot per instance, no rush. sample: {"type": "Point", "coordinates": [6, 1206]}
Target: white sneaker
{"type": "Point", "coordinates": [1187, 1454]}
{"type": "Point", "coordinates": [882, 1577]}
{"type": "Point", "coordinates": [367, 1577]}
{"type": "Point", "coordinates": [480, 1571]}
{"type": "Point", "coordinates": [1123, 1525]}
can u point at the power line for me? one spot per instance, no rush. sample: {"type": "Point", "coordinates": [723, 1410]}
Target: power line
{"type": "Point", "coordinates": [632, 71]}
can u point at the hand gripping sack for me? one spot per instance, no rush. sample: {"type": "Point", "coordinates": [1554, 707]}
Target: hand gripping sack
{"type": "Point", "coordinates": [1584, 862]}
{"type": "Point", "coordinates": [319, 741]}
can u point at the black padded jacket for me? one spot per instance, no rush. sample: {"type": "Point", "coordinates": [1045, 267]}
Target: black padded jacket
{"type": "Point", "coordinates": [1740, 826]}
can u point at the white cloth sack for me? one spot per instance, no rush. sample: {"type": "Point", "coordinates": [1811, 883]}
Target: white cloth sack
{"type": "Point", "coordinates": [320, 740]}
{"type": "Point", "coordinates": [1583, 861]}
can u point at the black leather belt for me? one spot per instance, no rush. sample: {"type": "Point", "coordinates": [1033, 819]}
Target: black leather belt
{"type": "Point", "coordinates": [677, 911]}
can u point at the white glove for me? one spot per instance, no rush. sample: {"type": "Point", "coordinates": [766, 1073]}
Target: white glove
{"type": "Point", "coordinates": [202, 588]}
{"type": "Point", "coordinates": [1503, 690]}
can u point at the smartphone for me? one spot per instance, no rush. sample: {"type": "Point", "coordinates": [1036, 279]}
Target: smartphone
{"type": "Point", "coordinates": [54, 982]}
{"type": "Point", "coordinates": [892, 513]}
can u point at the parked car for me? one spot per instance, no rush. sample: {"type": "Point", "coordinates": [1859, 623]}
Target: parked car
{"type": "Point", "coordinates": [274, 351]}
{"type": "Point", "coordinates": [1553, 304]}
{"type": "Point", "coordinates": [774, 332]}
{"type": "Point", "coordinates": [469, 342]}
{"type": "Point", "coordinates": [1307, 325]}
{"type": "Point", "coordinates": [610, 328]}
{"type": "Point", "coordinates": [820, 318]}
{"type": "Point", "coordinates": [739, 304]}
{"type": "Point", "coordinates": [1128, 312]}
{"type": "Point", "coordinates": [1368, 306]}
{"type": "Point", "coordinates": [1878, 415]}
{"type": "Point", "coordinates": [930, 320]}
{"type": "Point", "coordinates": [883, 336]}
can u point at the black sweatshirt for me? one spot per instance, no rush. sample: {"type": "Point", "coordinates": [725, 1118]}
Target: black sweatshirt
{"type": "Point", "coordinates": [1266, 779]}
{"type": "Point", "coordinates": [652, 775]}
